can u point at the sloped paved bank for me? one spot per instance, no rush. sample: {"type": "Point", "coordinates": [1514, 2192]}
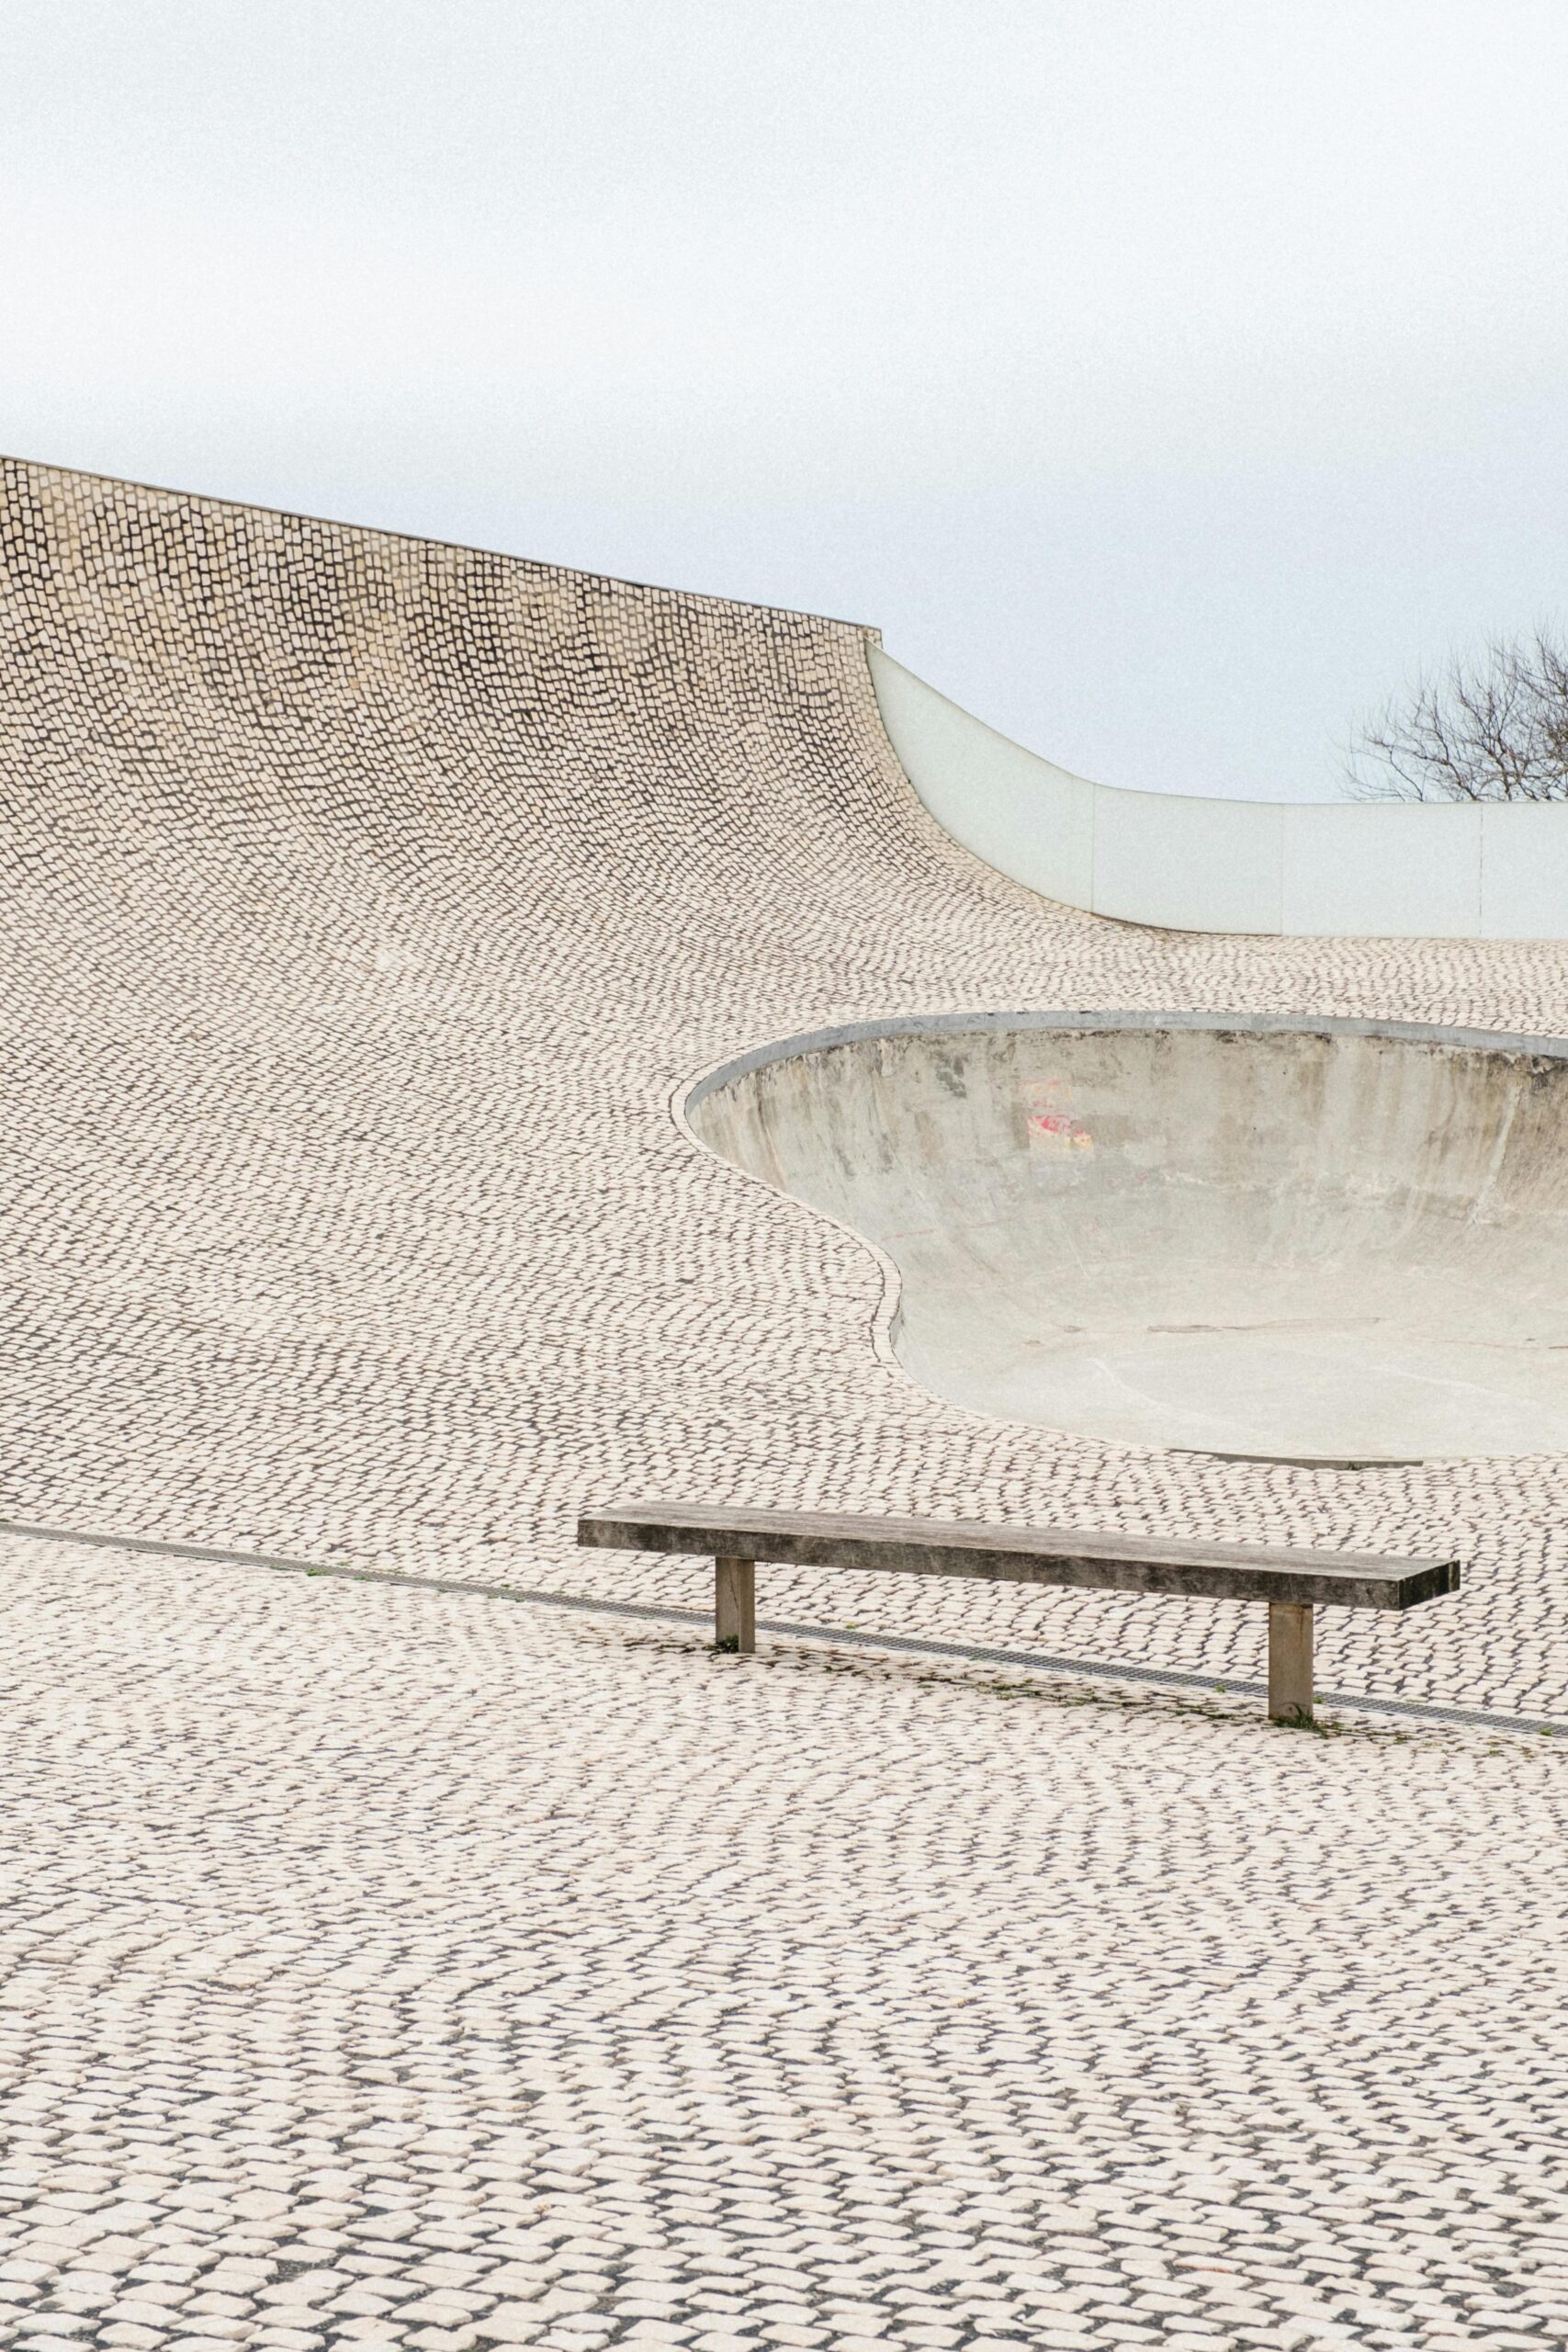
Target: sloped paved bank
{"type": "Point", "coordinates": [367, 902]}
{"type": "Point", "coordinates": [528, 1976]}
{"type": "Point", "coordinates": [392, 1967]}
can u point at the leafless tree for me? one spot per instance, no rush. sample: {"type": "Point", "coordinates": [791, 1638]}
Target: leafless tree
{"type": "Point", "coordinates": [1489, 729]}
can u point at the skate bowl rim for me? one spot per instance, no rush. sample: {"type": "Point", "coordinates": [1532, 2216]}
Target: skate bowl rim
{"type": "Point", "coordinates": [691, 1092]}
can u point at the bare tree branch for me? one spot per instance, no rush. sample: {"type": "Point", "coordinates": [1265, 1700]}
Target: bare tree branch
{"type": "Point", "coordinates": [1493, 728]}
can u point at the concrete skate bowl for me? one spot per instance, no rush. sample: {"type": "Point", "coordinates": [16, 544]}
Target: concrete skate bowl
{"type": "Point", "coordinates": [1331, 1242]}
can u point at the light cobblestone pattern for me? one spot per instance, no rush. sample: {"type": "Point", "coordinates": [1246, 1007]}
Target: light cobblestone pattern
{"type": "Point", "coordinates": [396, 1968]}
{"type": "Point", "coordinates": [401, 1967]}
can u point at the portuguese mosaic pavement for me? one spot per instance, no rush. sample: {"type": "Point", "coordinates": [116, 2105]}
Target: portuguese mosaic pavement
{"type": "Point", "coordinates": [405, 1966]}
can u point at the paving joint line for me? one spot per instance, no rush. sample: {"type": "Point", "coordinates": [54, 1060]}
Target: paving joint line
{"type": "Point", "coordinates": [590, 1604]}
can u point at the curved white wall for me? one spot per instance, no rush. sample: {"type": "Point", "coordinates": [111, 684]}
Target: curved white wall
{"type": "Point", "coordinates": [1317, 869]}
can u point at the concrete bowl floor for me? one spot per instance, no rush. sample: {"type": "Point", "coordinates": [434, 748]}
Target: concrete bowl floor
{"type": "Point", "coordinates": [1291, 1243]}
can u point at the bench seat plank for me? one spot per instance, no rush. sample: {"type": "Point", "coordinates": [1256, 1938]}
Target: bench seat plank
{"type": "Point", "coordinates": [1075, 1557]}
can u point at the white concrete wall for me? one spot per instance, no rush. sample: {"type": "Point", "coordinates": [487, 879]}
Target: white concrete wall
{"type": "Point", "coordinates": [1318, 870]}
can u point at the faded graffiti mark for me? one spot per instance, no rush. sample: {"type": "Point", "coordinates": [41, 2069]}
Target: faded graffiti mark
{"type": "Point", "coordinates": [1053, 1132]}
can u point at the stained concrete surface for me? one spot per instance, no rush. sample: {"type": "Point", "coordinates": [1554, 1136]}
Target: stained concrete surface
{"type": "Point", "coordinates": [1296, 1243]}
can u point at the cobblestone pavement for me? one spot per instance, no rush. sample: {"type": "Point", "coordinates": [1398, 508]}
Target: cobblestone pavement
{"type": "Point", "coordinates": [368, 906]}
{"type": "Point", "coordinates": [368, 902]}
{"type": "Point", "coordinates": [388, 1967]}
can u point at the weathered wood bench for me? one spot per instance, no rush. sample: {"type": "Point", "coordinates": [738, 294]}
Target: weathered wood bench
{"type": "Point", "coordinates": [1293, 1584]}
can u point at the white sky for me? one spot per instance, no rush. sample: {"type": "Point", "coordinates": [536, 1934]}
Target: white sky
{"type": "Point", "coordinates": [1167, 381]}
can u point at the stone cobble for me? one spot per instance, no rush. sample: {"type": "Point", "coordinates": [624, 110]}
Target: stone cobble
{"type": "Point", "coordinates": [368, 904]}
{"type": "Point", "coordinates": [386, 1966]}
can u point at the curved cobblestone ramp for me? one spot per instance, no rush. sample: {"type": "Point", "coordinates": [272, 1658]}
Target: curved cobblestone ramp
{"type": "Point", "coordinates": [415, 1967]}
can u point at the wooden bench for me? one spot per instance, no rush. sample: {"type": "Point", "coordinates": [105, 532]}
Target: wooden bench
{"type": "Point", "coordinates": [1293, 1584]}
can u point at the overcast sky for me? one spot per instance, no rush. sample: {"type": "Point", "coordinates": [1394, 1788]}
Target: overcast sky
{"type": "Point", "coordinates": [1168, 382]}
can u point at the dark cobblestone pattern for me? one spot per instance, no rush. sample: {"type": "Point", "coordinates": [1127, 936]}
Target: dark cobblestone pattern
{"type": "Point", "coordinates": [367, 901]}
{"type": "Point", "coordinates": [396, 1968]}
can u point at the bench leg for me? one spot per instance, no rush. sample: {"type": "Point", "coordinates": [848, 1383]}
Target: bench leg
{"type": "Point", "coordinates": [734, 1604]}
{"type": "Point", "coordinates": [1290, 1663]}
